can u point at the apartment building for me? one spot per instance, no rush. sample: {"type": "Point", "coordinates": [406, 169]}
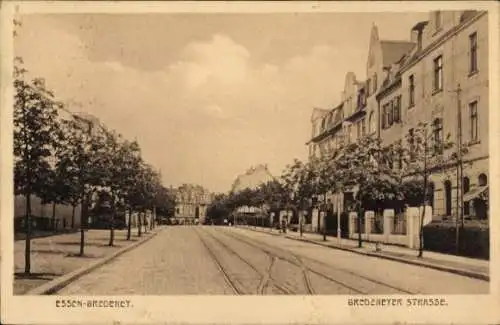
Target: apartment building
{"type": "Point", "coordinates": [444, 83]}
{"type": "Point", "coordinates": [442, 68]}
{"type": "Point", "coordinates": [358, 113]}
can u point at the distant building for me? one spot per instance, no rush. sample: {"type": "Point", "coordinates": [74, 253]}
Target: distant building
{"type": "Point", "coordinates": [252, 178]}
{"type": "Point", "coordinates": [191, 203]}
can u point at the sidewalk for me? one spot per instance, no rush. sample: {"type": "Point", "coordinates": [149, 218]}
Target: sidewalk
{"type": "Point", "coordinates": [55, 256]}
{"type": "Point", "coordinates": [470, 267]}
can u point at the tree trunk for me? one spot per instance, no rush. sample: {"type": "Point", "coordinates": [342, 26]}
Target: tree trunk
{"type": "Point", "coordinates": [112, 224]}
{"type": "Point", "coordinates": [54, 216]}
{"type": "Point", "coordinates": [83, 217]}
{"type": "Point", "coordinates": [358, 221]}
{"type": "Point", "coordinates": [421, 232]}
{"type": "Point", "coordinates": [27, 247]}
{"type": "Point", "coordinates": [73, 217]}
{"type": "Point", "coordinates": [129, 225]}
{"type": "Point", "coordinates": [421, 224]}
{"type": "Point", "coordinates": [139, 224]}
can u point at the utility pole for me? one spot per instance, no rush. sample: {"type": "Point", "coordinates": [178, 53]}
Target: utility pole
{"type": "Point", "coordinates": [459, 221]}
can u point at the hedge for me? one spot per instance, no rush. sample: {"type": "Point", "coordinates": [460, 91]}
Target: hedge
{"type": "Point", "coordinates": [440, 236]}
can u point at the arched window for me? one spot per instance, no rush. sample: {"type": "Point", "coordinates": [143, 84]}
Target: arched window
{"type": "Point", "coordinates": [466, 184]}
{"type": "Point", "coordinates": [483, 180]}
{"type": "Point", "coordinates": [466, 188]}
{"type": "Point", "coordinates": [447, 197]}
{"type": "Point", "coordinates": [371, 123]}
{"type": "Point", "coordinates": [430, 194]}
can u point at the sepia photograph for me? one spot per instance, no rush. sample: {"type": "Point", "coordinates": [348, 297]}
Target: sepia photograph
{"type": "Point", "coordinates": [338, 154]}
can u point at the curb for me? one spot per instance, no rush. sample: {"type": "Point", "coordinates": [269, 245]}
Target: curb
{"type": "Point", "coordinates": [466, 273]}
{"type": "Point", "coordinates": [57, 284]}
{"type": "Point", "coordinates": [462, 272]}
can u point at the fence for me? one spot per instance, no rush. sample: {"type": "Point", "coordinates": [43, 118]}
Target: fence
{"type": "Point", "coordinates": [377, 224]}
{"type": "Point", "coordinates": [399, 224]}
{"type": "Point", "coordinates": [359, 223]}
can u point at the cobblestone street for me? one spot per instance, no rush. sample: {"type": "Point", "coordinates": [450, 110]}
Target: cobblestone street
{"type": "Point", "coordinates": [227, 260]}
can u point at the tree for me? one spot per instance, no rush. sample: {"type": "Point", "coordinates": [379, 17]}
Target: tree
{"type": "Point", "coordinates": [367, 165]}
{"type": "Point", "coordinates": [79, 166]}
{"type": "Point", "coordinates": [422, 152]}
{"type": "Point", "coordinates": [35, 123]}
{"type": "Point", "coordinates": [300, 184]}
{"type": "Point", "coordinates": [54, 191]}
{"type": "Point", "coordinates": [219, 208]}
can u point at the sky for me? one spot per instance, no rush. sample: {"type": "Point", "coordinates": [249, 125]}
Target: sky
{"type": "Point", "coordinates": [207, 96]}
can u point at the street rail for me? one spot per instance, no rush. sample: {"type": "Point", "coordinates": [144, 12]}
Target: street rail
{"type": "Point", "coordinates": [232, 283]}
{"type": "Point", "coordinates": [266, 278]}
{"type": "Point", "coordinates": [258, 245]}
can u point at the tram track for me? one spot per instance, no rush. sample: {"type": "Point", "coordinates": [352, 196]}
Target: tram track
{"type": "Point", "coordinates": [299, 262]}
{"type": "Point", "coordinates": [265, 277]}
{"type": "Point", "coordinates": [232, 283]}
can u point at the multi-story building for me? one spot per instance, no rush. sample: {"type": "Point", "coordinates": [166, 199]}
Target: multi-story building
{"type": "Point", "coordinates": [357, 114]}
{"type": "Point", "coordinates": [439, 74]}
{"type": "Point", "coordinates": [252, 178]}
{"type": "Point", "coordinates": [191, 203]}
{"type": "Point", "coordinates": [446, 76]}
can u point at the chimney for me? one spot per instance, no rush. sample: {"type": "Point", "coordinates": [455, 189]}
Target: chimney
{"type": "Point", "coordinates": [417, 32]}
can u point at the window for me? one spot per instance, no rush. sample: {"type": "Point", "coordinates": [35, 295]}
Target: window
{"type": "Point", "coordinates": [411, 143]}
{"type": "Point", "coordinates": [473, 52]}
{"type": "Point", "coordinates": [474, 134]}
{"type": "Point", "coordinates": [368, 87]}
{"type": "Point", "coordinates": [375, 83]}
{"type": "Point", "coordinates": [323, 124]}
{"type": "Point", "coordinates": [363, 127]}
{"type": "Point", "coordinates": [411, 89]}
{"type": "Point", "coordinates": [438, 73]}
{"type": "Point", "coordinates": [437, 132]}
{"type": "Point", "coordinates": [483, 180]}
{"type": "Point", "coordinates": [390, 114]}
{"type": "Point", "coordinates": [397, 109]}
{"type": "Point", "coordinates": [448, 197]}
{"type": "Point", "coordinates": [465, 189]}
{"type": "Point", "coordinates": [371, 123]}
{"type": "Point", "coordinates": [384, 116]}
{"type": "Point", "coordinates": [437, 20]}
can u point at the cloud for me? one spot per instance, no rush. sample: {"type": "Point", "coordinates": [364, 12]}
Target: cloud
{"type": "Point", "coordinates": [219, 60]}
{"type": "Point", "coordinates": [204, 118]}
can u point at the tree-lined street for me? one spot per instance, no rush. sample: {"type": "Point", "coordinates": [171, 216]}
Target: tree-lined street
{"type": "Point", "coordinates": [228, 260]}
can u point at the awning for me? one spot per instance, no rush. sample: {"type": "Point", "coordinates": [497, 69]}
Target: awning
{"type": "Point", "coordinates": [478, 192]}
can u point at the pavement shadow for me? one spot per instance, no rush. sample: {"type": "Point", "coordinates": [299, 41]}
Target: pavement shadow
{"type": "Point", "coordinates": [36, 276]}
{"type": "Point", "coordinates": [48, 251]}
{"type": "Point", "coordinates": [125, 239]}
{"type": "Point", "coordinates": [87, 244]}
{"type": "Point", "coordinates": [77, 255]}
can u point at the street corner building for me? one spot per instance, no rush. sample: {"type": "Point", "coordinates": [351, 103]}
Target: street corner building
{"type": "Point", "coordinates": [191, 204]}
{"type": "Point", "coordinates": [439, 77]}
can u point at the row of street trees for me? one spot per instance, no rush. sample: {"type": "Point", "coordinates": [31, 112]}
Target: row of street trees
{"type": "Point", "coordinates": [71, 161]}
{"type": "Point", "coordinates": [380, 175]}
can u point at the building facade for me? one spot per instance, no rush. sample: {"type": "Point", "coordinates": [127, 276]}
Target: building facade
{"type": "Point", "coordinates": [358, 113]}
{"type": "Point", "coordinates": [445, 84]}
{"type": "Point", "coordinates": [437, 75]}
{"type": "Point", "coordinates": [252, 178]}
{"type": "Point", "coordinates": [191, 203]}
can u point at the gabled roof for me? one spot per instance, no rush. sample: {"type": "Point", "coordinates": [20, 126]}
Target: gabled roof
{"type": "Point", "coordinates": [318, 112]}
{"type": "Point", "coordinates": [392, 51]}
